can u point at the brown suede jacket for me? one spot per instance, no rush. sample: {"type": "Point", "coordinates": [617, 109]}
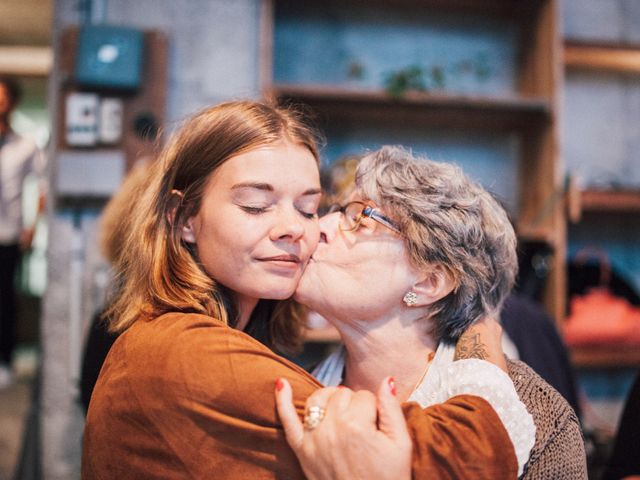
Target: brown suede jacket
{"type": "Point", "coordinates": [185, 396]}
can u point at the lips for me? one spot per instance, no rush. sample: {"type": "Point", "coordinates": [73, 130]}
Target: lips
{"type": "Point", "coordinates": [281, 258]}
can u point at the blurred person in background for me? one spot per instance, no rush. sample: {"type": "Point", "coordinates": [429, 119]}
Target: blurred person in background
{"type": "Point", "coordinates": [624, 462]}
{"type": "Point", "coordinates": [114, 227]}
{"type": "Point", "coordinates": [19, 157]}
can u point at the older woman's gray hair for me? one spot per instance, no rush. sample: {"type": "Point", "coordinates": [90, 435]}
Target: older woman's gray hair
{"type": "Point", "coordinates": [447, 220]}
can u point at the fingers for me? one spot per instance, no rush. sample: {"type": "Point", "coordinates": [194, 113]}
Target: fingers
{"type": "Point", "coordinates": [490, 325]}
{"type": "Point", "coordinates": [322, 396]}
{"type": "Point", "coordinates": [482, 340]}
{"type": "Point", "coordinates": [362, 409]}
{"type": "Point", "coordinates": [391, 420]}
{"type": "Point", "coordinates": [292, 425]}
{"type": "Point", "coordinates": [345, 408]}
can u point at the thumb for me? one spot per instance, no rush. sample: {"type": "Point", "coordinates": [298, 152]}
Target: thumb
{"type": "Point", "coordinates": [293, 430]}
{"type": "Point", "coordinates": [391, 420]}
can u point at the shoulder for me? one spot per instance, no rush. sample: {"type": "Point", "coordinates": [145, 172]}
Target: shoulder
{"type": "Point", "coordinates": [201, 358]}
{"type": "Point", "coordinates": [559, 444]}
{"type": "Point", "coordinates": [538, 395]}
{"type": "Point", "coordinates": [26, 145]}
{"type": "Point", "coordinates": [22, 154]}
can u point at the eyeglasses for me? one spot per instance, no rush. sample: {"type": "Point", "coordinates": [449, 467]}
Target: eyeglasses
{"type": "Point", "coordinates": [354, 212]}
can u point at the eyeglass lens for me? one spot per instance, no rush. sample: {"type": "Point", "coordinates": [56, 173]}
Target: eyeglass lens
{"type": "Point", "coordinates": [352, 215]}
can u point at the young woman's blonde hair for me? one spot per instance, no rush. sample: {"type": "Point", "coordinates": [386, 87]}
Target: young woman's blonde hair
{"type": "Point", "coordinates": [160, 273]}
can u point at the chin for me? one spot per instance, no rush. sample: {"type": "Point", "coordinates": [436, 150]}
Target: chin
{"type": "Point", "coordinates": [279, 292]}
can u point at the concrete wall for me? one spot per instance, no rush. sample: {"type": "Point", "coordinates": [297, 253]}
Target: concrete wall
{"type": "Point", "coordinates": [213, 57]}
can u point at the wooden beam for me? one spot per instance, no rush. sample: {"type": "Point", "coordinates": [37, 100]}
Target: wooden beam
{"type": "Point", "coordinates": [602, 57]}
{"type": "Point", "coordinates": [605, 356]}
{"type": "Point", "coordinates": [611, 201]}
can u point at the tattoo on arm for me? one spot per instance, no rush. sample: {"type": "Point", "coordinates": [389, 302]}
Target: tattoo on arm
{"type": "Point", "coordinates": [470, 346]}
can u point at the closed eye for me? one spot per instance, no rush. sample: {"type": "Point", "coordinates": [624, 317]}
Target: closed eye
{"type": "Point", "coordinates": [309, 215]}
{"type": "Point", "coordinates": [253, 210]}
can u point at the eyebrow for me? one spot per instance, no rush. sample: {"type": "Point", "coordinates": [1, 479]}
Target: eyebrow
{"type": "Point", "coordinates": [269, 188]}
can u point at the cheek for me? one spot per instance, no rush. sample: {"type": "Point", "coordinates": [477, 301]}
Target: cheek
{"type": "Point", "coordinates": [376, 277]}
{"type": "Point", "coordinates": [312, 235]}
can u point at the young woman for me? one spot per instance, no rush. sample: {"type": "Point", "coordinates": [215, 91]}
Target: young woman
{"type": "Point", "coordinates": [217, 243]}
{"type": "Point", "coordinates": [416, 255]}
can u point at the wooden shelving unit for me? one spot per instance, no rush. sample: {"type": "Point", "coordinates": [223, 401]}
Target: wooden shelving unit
{"type": "Point", "coordinates": [610, 201]}
{"type": "Point", "coordinates": [431, 109]}
{"type": "Point", "coordinates": [620, 59]}
{"type": "Point", "coordinates": [529, 111]}
{"type": "Point", "coordinates": [608, 356]}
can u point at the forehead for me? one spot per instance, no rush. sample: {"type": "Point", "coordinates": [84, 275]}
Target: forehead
{"type": "Point", "coordinates": [283, 164]}
{"type": "Point", "coordinates": [359, 196]}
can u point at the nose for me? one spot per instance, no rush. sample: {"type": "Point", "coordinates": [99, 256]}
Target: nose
{"type": "Point", "coordinates": [329, 226]}
{"type": "Point", "coordinates": [288, 226]}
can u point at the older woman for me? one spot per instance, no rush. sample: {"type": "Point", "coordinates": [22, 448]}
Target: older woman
{"type": "Point", "coordinates": [216, 242]}
{"type": "Point", "coordinates": [418, 254]}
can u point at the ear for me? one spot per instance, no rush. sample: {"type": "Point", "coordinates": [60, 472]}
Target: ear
{"type": "Point", "coordinates": [187, 234]}
{"type": "Point", "coordinates": [435, 285]}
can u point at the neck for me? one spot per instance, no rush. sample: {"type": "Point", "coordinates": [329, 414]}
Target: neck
{"type": "Point", "coordinates": [245, 309]}
{"type": "Point", "coordinates": [394, 347]}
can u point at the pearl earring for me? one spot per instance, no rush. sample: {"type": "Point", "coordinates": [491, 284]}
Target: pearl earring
{"type": "Point", "coordinates": [410, 299]}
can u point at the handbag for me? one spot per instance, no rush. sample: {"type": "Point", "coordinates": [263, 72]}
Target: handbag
{"type": "Point", "coordinates": [598, 316]}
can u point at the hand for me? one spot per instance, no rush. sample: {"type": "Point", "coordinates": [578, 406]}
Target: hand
{"type": "Point", "coordinates": [482, 340]}
{"type": "Point", "coordinates": [26, 239]}
{"type": "Point", "coordinates": [362, 436]}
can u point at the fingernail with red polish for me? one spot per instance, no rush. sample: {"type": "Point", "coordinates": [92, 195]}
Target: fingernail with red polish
{"type": "Point", "coordinates": [279, 385]}
{"type": "Point", "coordinates": [392, 386]}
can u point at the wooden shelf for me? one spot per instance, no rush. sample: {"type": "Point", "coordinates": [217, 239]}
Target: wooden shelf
{"type": "Point", "coordinates": [536, 235]}
{"type": "Point", "coordinates": [607, 356]}
{"type": "Point", "coordinates": [494, 8]}
{"type": "Point", "coordinates": [610, 201]}
{"type": "Point", "coordinates": [432, 109]}
{"type": "Point", "coordinates": [602, 57]}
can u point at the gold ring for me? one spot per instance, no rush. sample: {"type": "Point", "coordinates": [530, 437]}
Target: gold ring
{"type": "Point", "coordinates": [313, 416]}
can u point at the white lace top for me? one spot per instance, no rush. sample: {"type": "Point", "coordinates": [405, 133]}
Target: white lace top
{"type": "Point", "coordinates": [446, 379]}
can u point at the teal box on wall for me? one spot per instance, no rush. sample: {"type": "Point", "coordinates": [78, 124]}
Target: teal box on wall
{"type": "Point", "coordinates": [109, 57]}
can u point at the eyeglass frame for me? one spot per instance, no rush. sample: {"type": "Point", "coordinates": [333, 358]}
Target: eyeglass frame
{"type": "Point", "coordinates": [367, 211]}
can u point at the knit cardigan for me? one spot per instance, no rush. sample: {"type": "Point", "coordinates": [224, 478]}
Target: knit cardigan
{"type": "Point", "coordinates": [558, 452]}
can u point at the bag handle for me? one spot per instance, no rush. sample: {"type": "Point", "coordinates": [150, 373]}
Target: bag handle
{"type": "Point", "coordinates": [585, 254]}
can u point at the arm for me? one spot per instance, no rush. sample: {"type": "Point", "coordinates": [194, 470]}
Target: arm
{"type": "Point", "coordinates": [466, 433]}
{"type": "Point", "coordinates": [362, 436]}
{"type": "Point", "coordinates": [37, 167]}
{"type": "Point", "coordinates": [358, 437]}
{"type": "Point", "coordinates": [466, 424]}
{"type": "Point", "coordinates": [468, 374]}
{"type": "Point", "coordinates": [563, 457]}
{"type": "Point", "coordinates": [27, 234]}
